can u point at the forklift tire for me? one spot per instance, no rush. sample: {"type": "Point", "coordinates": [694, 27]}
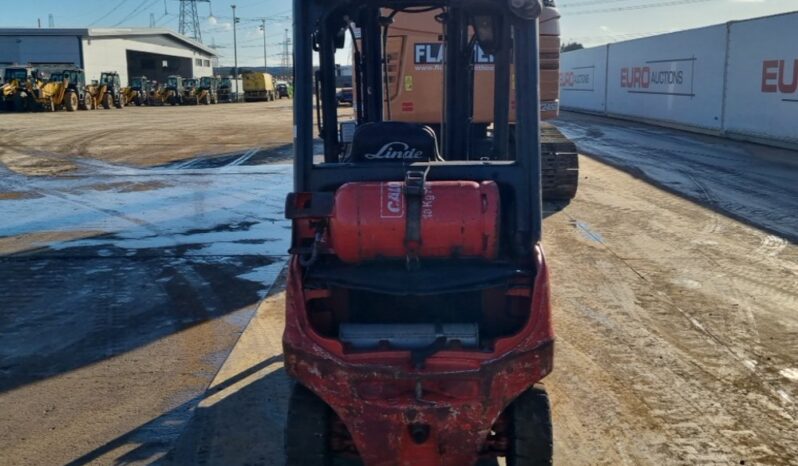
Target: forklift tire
{"type": "Point", "coordinates": [107, 101]}
{"type": "Point", "coordinates": [531, 442]}
{"type": "Point", "coordinates": [307, 430]}
{"type": "Point", "coordinates": [71, 102]}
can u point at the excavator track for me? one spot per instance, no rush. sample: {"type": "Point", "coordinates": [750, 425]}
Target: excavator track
{"type": "Point", "coordinates": [559, 163]}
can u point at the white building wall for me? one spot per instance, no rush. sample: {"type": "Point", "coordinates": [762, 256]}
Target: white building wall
{"type": "Point", "coordinates": [762, 84]}
{"type": "Point", "coordinates": [110, 54]}
{"type": "Point", "coordinates": [102, 54]}
{"type": "Point", "coordinates": [738, 79]}
{"type": "Point", "coordinates": [675, 77]}
{"type": "Point", "coordinates": [583, 75]}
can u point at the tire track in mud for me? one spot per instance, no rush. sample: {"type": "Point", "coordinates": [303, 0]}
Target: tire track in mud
{"type": "Point", "coordinates": [690, 355]}
{"type": "Point", "coordinates": [747, 184]}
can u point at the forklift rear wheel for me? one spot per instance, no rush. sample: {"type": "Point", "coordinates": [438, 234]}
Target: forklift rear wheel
{"type": "Point", "coordinates": [532, 440]}
{"type": "Point", "coordinates": [307, 431]}
{"type": "Point", "coordinates": [72, 102]}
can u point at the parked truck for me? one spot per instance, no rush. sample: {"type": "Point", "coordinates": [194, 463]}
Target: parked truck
{"type": "Point", "coordinates": [259, 87]}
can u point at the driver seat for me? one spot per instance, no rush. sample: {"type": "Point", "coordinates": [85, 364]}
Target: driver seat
{"type": "Point", "coordinates": [394, 142]}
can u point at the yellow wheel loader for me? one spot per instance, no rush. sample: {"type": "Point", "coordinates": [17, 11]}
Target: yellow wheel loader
{"type": "Point", "coordinates": [138, 91]}
{"type": "Point", "coordinates": [157, 95]}
{"type": "Point", "coordinates": [190, 92]}
{"type": "Point", "coordinates": [208, 90]}
{"type": "Point", "coordinates": [107, 92]}
{"type": "Point", "coordinates": [174, 90]}
{"type": "Point", "coordinates": [17, 90]}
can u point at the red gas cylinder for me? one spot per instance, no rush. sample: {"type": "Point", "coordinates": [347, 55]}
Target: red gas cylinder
{"type": "Point", "coordinates": [458, 218]}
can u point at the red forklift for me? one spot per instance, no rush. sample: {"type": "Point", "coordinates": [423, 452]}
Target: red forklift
{"type": "Point", "coordinates": [418, 321]}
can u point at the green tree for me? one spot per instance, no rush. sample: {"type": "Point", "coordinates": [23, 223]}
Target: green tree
{"type": "Point", "coordinates": [571, 46]}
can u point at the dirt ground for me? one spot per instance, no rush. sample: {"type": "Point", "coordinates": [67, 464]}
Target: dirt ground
{"type": "Point", "coordinates": [46, 143]}
{"type": "Point", "coordinates": [676, 342]}
{"type": "Point", "coordinates": [677, 331]}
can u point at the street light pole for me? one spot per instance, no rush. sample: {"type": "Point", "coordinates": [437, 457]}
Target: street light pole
{"type": "Point", "coordinates": [265, 60]}
{"type": "Point", "coordinates": [235, 49]}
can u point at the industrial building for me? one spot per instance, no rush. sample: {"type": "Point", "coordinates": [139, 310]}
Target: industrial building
{"type": "Point", "coordinates": [152, 52]}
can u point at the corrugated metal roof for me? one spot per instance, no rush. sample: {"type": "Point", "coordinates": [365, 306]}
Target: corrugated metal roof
{"type": "Point", "coordinates": [107, 32]}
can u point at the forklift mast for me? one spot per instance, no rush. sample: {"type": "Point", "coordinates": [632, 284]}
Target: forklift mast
{"type": "Point", "coordinates": [417, 319]}
{"type": "Point", "coordinates": [321, 26]}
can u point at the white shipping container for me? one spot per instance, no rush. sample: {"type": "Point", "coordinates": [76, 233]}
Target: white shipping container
{"type": "Point", "coordinates": [675, 78]}
{"type": "Point", "coordinates": [583, 79]}
{"type": "Point", "coordinates": [762, 80]}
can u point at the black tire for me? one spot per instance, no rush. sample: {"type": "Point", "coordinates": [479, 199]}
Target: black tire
{"type": "Point", "coordinates": [107, 101]}
{"type": "Point", "coordinates": [87, 102]}
{"type": "Point", "coordinates": [532, 441]}
{"type": "Point", "coordinates": [71, 101]}
{"type": "Point", "coordinates": [307, 430]}
{"type": "Point", "coordinates": [121, 102]}
{"type": "Point", "coordinates": [20, 102]}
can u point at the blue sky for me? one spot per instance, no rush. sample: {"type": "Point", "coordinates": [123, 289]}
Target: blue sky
{"type": "Point", "coordinates": [591, 22]}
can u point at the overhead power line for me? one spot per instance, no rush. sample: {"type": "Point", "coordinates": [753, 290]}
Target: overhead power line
{"type": "Point", "coordinates": [589, 3]}
{"type": "Point", "coordinates": [110, 12]}
{"type": "Point", "coordinates": [638, 7]}
{"type": "Point", "coordinates": [139, 9]}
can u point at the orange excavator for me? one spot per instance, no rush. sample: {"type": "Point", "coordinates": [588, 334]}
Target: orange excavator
{"type": "Point", "coordinates": [414, 79]}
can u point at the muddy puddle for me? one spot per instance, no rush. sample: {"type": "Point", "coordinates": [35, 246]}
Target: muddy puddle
{"type": "Point", "coordinates": [117, 278]}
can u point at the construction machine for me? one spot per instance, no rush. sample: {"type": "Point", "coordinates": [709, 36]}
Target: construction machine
{"type": "Point", "coordinates": [208, 91]}
{"type": "Point", "coordinates": [59, 92]}
{"type": "Point", "coordinates": [414, 77]}
{"type": "Point", "coordinates": [138, 92]}
{"type": "Point", "coordinates": [259, 87]}
{"type": "Point", "coordinates": [107, 92]}
{"type": "Point", "coordinates": [158, 94]}
{"type": "Point", "coordinates": [174, 90]}
{"type": "Point", "coordinates": [190, 92]}
{"type": "Point", "coordinates": [418, 320]}
{"type": "Point", "coordinates": [17, 88]}
{"type": "Point", "coordinates": [230, 89]}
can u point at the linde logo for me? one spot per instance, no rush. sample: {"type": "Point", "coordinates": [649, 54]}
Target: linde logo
{"type": "Point", "coordinates": [396, 151]}
{"type": "Point", "coordinates": [667, 77]}
{"type": "Point", "coordinates": [391, 200]}
{"type": "Point", "coordinates": [776, 74]}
